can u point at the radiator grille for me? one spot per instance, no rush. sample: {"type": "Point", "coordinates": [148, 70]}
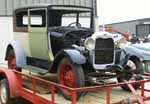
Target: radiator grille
{"type": "Point", "coordinates": [104, 51]}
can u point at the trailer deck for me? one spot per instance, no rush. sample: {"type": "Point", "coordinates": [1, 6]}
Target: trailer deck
{"type": "Point", "coordinates": [91, 97]}
{"type": "Point", "coordinates": [42, 89]}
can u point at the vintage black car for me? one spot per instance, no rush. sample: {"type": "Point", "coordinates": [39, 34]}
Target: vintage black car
{"type": "Point", "coordinates": [77, 54]}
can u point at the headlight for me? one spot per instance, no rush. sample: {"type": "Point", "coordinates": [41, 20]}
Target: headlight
{"type": "Point", "coordinates": [89, 43]}
{"type": "Point", "coordinates": [122, 42]}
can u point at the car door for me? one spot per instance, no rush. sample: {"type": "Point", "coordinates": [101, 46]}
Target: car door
{"type": "Point", "coordinates": [38, 37]}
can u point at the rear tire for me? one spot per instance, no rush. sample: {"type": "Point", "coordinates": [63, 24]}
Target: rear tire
{"type": "Point", "coordinates": [132, 72]}
{"type": "Point", "coordinates": [11, 58]}
{"type": "Point", "coordinates": [5, 92]}
{"type": "Point", "coordinates": [70, 75]}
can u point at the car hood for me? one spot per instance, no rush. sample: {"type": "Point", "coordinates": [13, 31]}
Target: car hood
{"type": "Point", "coordinates": [142, 46]}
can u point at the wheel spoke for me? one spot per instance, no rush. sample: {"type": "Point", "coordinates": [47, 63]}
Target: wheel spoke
{"type": "Point", "coordinates": [70, 79]}
{"type": "Point", "coordinates": [67, 77]}
{"type": "Point", "coordinates": [70, 75]}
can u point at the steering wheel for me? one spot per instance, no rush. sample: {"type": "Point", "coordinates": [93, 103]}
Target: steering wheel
{"type": "Point", "coordinates": [76, 24]}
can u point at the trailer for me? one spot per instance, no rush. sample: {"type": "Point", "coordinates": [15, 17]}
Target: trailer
{"type": "Point", "coordinates": [27, 85]}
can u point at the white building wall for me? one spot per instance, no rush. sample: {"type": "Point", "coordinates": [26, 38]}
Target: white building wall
{"type": "Point", "coordinates": [6, 33]}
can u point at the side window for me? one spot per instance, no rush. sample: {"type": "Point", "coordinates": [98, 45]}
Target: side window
{"type": "Point", "coordinates": [25, 20]}
{"type": "Point", "coordinates": [85, 22]}
{"type": "Point", "coordinates": [38, 18]}
{"type": "Point", "coordinates": [20, 22]}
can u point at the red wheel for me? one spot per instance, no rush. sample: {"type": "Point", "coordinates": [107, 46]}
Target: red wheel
{"type": "Point", "coordinates": [12, 60]}
{"type": "Point", "coordinates": [70, 75]}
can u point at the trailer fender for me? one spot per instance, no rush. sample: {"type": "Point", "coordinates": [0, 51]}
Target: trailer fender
{"type": "Point", "coordinates": [12, 80]}
{"type": "Point", "coordinates": [19, 53]}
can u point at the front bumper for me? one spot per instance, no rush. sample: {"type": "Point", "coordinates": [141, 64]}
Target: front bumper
{"type": "Point", "coordinates": [115, 67]}
{"type": "Point", "coordinates": [110, 68]}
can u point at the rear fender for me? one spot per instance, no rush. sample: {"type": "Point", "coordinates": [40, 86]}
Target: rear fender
{"type": "Point", "coordinates": [12, 80]}
{"type": "Point", "coordinates": [19, 53]}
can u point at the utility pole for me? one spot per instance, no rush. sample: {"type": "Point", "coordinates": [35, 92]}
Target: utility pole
{"type": "Point", "coordinates": [94, 6]}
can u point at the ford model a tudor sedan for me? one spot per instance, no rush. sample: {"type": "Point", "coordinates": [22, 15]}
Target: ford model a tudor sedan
{"type": "Point", "coordinates": [46, 40]}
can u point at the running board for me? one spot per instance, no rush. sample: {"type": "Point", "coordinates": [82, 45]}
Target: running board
{"type": "Point", "coordinates": [35, 69]}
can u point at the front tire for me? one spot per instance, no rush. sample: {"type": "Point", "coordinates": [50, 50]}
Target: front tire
{"type": "Point", "coordinates": [70, 75]}
{"type": "Point", "coordinates": [132, 72]}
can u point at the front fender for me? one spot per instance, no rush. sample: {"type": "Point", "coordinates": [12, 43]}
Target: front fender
{"type": "Point", "coordinates": [122, 57]}
{"type": "Point", "coordinates": [127, 53]}
{"type": "Point", "coordinates": [75, 56]}
{"type": "Point", "coordinates": [19, 53]}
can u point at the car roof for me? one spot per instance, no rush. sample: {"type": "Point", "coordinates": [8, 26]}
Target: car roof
{"type": "Point", "coordinates": [49, 6]}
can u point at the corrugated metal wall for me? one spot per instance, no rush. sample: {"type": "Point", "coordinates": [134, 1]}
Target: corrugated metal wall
{"type": "Point", "coordinates": [7, 6]}
{"type": "Point", "coordinates": [125, 26]}
{"type": "Point", "coordinates": [131, 26]}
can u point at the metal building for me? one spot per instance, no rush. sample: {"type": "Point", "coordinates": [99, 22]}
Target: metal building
{"type": "Point", "coordinates": [7, 6]}
{"type": "Point", "coordinates": [139, 27]}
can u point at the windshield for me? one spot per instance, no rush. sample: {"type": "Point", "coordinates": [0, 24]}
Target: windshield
{"type": "Point", "coordinates": [69, 18]}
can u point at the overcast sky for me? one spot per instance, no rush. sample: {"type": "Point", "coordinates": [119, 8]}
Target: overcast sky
{"type": "Point", "coordinates": [111, 11]}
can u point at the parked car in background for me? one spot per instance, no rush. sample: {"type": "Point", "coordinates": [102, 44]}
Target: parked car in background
{"type": "Point", "coordinates": [77, 54]}
{"type": "Point", "coordinates": [142, 52]}
{"type": "Point", "coordinates": [138, 50]}
{"type": "Point", "coordinates": [134, 65]}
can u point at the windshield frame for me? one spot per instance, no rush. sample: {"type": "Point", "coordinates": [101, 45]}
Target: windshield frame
{"type": "Point", "coordinates": [71, 10]}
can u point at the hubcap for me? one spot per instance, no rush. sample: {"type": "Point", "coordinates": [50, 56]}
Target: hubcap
{"type": "Point", "coordinates": [131, 65]}
{"type": "Point", "coordinates": [3, 93]}
{"type": "Point", "coordinates": [130, 71]}
{"type": "Point", "coordinates": [67, 77]}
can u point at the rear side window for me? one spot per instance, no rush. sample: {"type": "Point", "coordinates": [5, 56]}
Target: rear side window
{"type": "Point", "coordinates": [19, 21]}
{"type": "Point", "coordinates": [38, 18]}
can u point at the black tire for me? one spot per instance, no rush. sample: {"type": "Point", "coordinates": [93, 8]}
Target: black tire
{"type": "Point", "coordinates": [11, 56]}
{"type": "Point", "coordinates": [132, 74]}
{"type": "Point", "coordinates": [78, 74]}
{"type": "Point", "coordinates": [5, 92]}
